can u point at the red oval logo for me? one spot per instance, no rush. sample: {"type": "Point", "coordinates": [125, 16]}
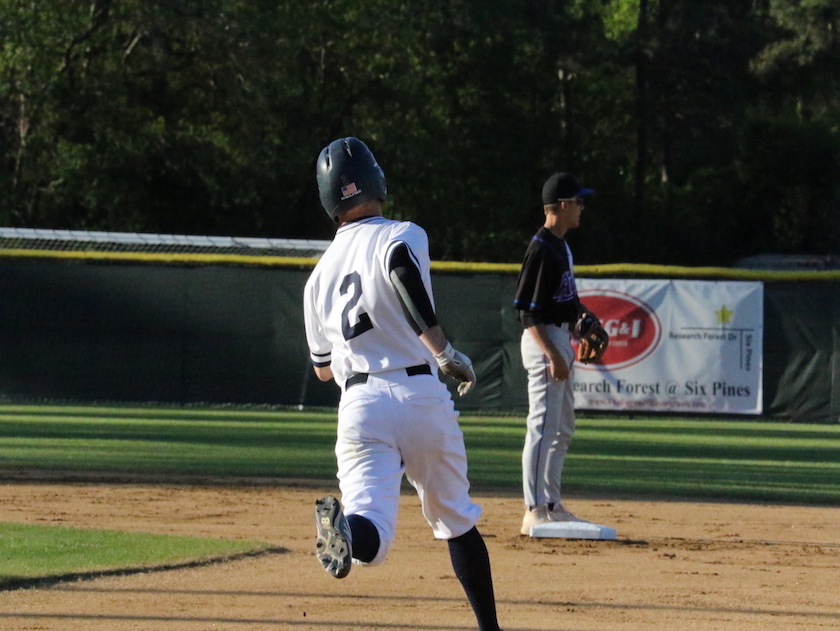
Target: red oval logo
{"type": "Point", "coordinates": [633, 327]}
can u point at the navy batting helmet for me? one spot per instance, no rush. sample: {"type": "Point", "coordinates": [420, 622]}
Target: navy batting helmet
{"type": "Point", "coordinates": [348, 176]}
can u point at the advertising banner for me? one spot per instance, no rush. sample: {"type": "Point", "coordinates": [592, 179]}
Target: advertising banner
{"type": "Point", "coordinates": [686, 346]}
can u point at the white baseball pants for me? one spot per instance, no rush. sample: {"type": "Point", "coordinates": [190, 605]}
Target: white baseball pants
{"type": "Point", "coordinates": [396, 424]}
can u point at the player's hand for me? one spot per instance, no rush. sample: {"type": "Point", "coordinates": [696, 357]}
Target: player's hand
{"type": "Point", "coordinates": [559, 369]}
{"type": "Point", "coordinates": [458, 366]}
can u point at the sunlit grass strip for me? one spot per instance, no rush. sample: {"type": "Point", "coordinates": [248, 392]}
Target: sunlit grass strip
{"type": "Point", "coordinates": [165, 441]}
{"type": "Point", "coordinates": [31, 552]}
{"type": "Point", "coordinates": [275, 457]}
{"type": "Point", "coordinates": [674, 457]}
{"type": "Point", "coordinates": [709, 478]}
{"type": "Point", "coordinates": [685, 457]}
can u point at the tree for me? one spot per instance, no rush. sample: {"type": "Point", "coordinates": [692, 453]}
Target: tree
{"type": "Point", "coordinates": [791, 143]}
{"type": "Point", "coordinates": [207, 116]}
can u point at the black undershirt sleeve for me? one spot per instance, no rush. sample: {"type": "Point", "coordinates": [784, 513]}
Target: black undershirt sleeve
{"type": "Point", "coordinates": [408, 283]}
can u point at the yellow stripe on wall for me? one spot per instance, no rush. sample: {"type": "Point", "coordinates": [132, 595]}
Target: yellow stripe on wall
{"type": "Point", "coordinates": [615, 270]}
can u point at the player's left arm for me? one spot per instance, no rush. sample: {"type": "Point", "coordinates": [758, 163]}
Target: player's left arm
{"type": "Point", "coordinates": [584, 311]}
{"type": "Point", "coordinates": [407, 280]}
{"type": "Point", "coordinates": [452, 363]}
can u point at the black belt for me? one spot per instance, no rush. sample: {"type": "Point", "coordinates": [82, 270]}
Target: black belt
{"type": "Point", "coordinates": [361, 377]}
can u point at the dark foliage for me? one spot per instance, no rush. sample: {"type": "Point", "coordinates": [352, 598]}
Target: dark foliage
{"type": "Point", "coordinates": [709, 128]}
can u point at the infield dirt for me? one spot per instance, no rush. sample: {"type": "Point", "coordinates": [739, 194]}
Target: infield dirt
{"type": "Point", "coordinates": [682, 566]}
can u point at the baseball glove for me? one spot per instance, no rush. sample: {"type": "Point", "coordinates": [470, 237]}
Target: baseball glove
{"type": "Point", "coordinates": [594, 340]}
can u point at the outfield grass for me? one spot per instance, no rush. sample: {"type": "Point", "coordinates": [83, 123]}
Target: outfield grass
{"type": "Point", "coordinates": [668, 457]}
{"type": "Point", "coordinates": [738, 460]}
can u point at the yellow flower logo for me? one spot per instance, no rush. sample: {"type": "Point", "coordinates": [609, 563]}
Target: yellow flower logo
{"type": "Point", "coordinates": [724, 315]}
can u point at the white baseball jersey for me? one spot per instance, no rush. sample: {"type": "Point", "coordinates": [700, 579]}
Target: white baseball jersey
{"type": "Point", "coordinates": [354, 319]}
{"type": "Point", "coordinates": [395, 422]}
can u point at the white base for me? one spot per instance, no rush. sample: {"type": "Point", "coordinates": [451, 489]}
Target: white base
{"type": "Point", "coordinates": [572, 530]}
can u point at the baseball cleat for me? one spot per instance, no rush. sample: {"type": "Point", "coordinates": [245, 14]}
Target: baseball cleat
{"type": "Point", "coordinates": [333, 548]}
{"type": "Point", "coordinates": [559, 513]}
{"type": "Point", "coordinates": [534, 517]}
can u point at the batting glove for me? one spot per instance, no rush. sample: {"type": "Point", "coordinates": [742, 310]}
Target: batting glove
{"type": "Point", "coordinates": [458, 366]}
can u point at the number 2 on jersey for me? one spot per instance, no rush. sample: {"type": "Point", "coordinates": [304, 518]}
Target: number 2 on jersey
{"type": "Point", "coordinates": [364, 324]}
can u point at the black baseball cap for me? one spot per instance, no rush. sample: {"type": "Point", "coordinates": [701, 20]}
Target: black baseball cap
{"type": "Point", "coordinates": [562, 186]}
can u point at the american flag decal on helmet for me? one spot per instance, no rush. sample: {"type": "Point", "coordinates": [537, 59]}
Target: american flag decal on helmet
{"type": "Point", "coordinates": [349, 190]}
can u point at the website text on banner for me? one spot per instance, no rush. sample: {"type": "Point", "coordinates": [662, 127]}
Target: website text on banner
{"type": "Point", "coordinates": [687, 346]}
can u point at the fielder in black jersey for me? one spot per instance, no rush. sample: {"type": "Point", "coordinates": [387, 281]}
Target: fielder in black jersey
{"type": "Point", "coordinates": [546, 293]}
{"type": "Point", "coordinates": [548, 306]}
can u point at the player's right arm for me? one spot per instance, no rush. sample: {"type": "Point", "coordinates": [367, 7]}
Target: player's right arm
{"type": "Point", "coordinates": [324, 373]}
{"type": "Point", "coordinates": [320, 350]}
{"type": "Point", "coordinates": [557, 365]}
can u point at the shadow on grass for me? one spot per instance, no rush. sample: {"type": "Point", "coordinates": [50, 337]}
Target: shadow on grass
{"type": "Point", "coordinates": [9, 583]}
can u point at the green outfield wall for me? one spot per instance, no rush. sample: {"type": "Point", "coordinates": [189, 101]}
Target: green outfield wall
{"type": "Point", "coordinates": [224, 329]}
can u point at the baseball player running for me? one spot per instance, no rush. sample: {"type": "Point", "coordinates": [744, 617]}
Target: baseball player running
{"type": "Point", "coordinates": [548, 307]}
{"type": "Point", "coordinates": [371, 326]}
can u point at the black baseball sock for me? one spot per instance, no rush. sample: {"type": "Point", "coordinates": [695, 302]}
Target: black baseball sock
{"type": "Point", "coordinates": [365, 538]}
{"type": "Point", "coordinates": [472, 567]}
